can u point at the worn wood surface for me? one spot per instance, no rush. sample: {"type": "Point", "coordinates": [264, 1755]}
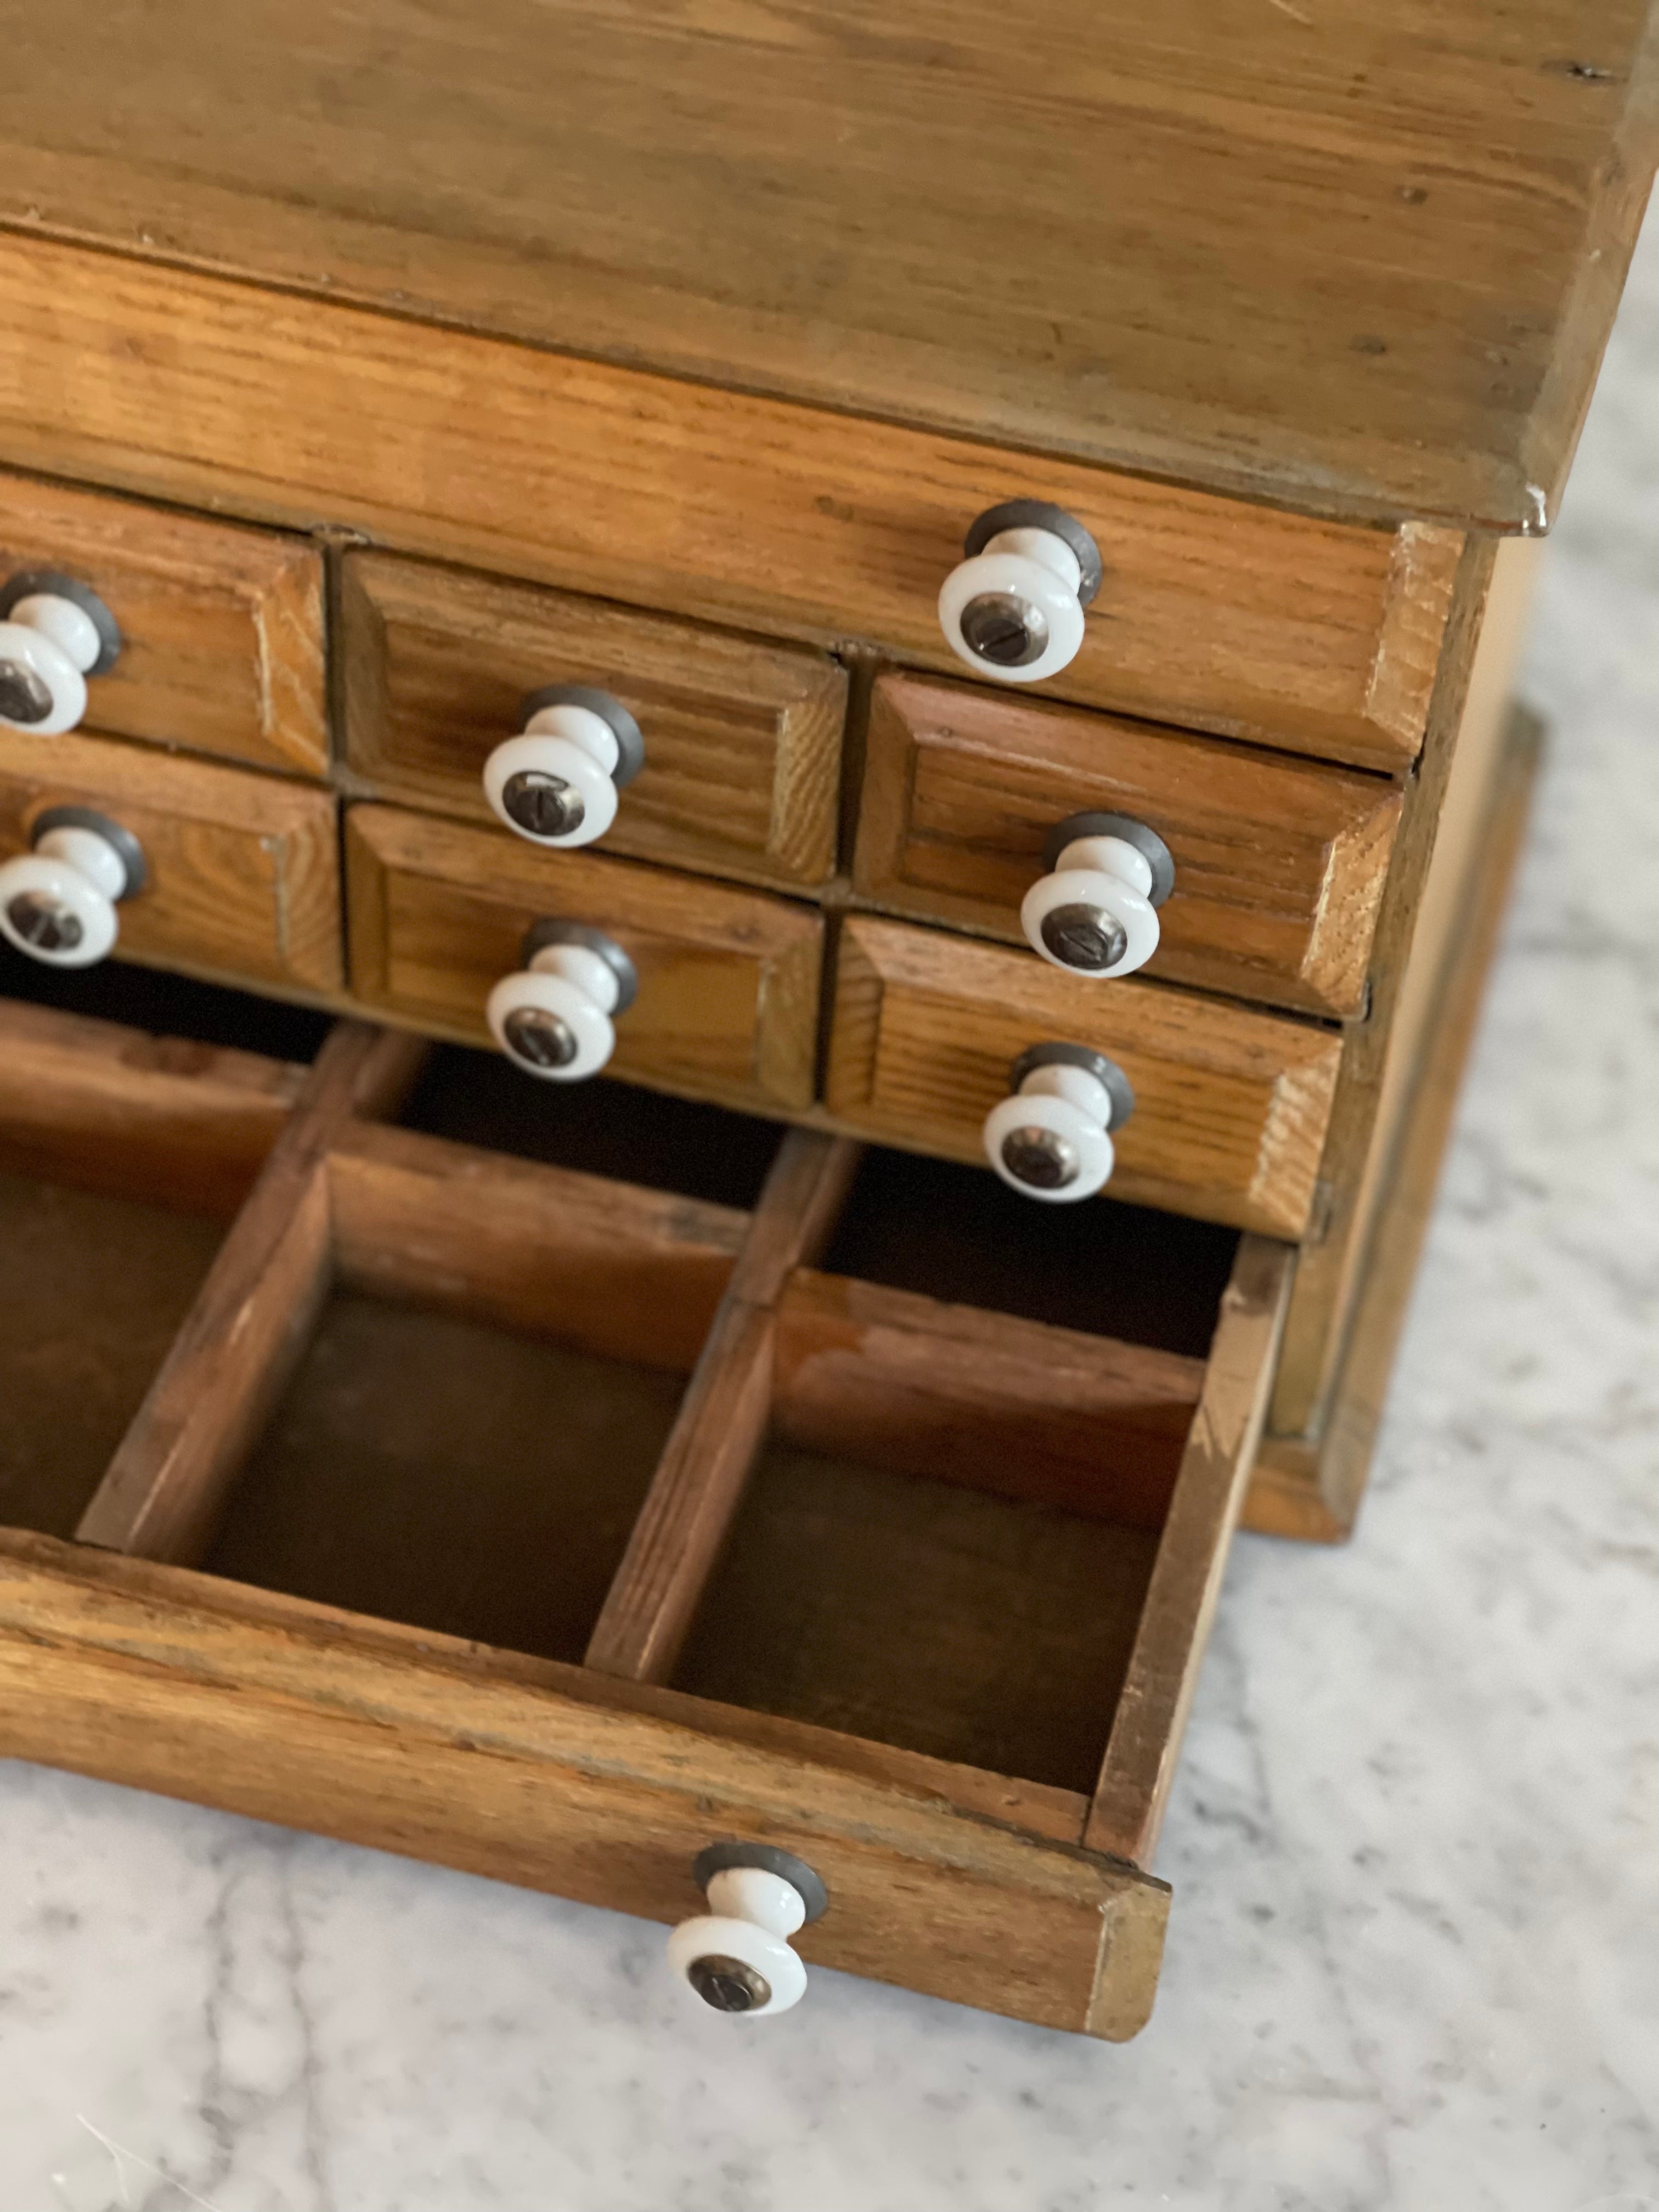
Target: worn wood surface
{"type": "Point", "coordinates": [1438, 843]}
{"type": "Point", "coordinates": [1230, 1103]}
{"type": "Point", "coordinates": [722, 1423]}
{"type": "Point", "coordinates": [243, 881]}
{"type": "Point", "coordinates": [1313, 635]}
{"type": "Point", "coordinates": [222, 627]}
{"type": "Point", "coordinates": [250, 1321]}
{"type": "Point", "coordinates": [1117, 234]}
{"type": "Point", "coordinates": [1312, 1487]}
{"type": "Point", "coordinates": [1012, 1407]}
{"type": "Point", "coordinates": [728, 996]}
{"type": "Point", "coordinates": [1138, 1768]}
{"type": "Point", "coordinates": [742, 738]}
{"type": "Point", "coordinates": [1279, 866]}
{"type": "Point", "coordinates": [102, 1107]}
{"type": "Point", "coordinates": [168, 1682]}
{"type": "Point", "coordinates": [608, 1267]}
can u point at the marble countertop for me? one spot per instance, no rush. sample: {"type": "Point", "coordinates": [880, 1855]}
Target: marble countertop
{"type": "Point", "coordinates": [1414, 1963]}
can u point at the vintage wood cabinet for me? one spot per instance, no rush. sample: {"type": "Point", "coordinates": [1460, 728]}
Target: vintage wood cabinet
{"type": "Point", "coordinates": [926, 604]}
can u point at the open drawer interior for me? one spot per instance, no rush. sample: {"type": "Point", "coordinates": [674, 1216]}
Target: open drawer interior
{"type": "Point", "coordinates": [853, 1458]}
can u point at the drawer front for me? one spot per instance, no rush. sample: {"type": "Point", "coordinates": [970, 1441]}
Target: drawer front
{"type": "Point", "coordinates": [1318, 635]}
{"type": "Point", "coordinates": [742, 739]}
{"type": "Point", "coordinates": [242, 875]}
{"type": "Point", "coordinates": [222, 627]}
{"type": "Point", "coordinates": [1279, 863]}
{"type": "Point", "coordinates": [728, 979]}
{"type": "Point", "coordinates": [1231, 1107]}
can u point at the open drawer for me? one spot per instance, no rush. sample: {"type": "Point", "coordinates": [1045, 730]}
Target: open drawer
{"type": "Point", "coordinates": [493, 1508]}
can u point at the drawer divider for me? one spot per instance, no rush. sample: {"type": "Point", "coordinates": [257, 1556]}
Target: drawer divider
{"type": "Point", "coordinates": [1132, 1791]}
{"type": "Point", "coordinates": [723, 1419]}
{"type": "Point", "coordinates": [252, 1319]}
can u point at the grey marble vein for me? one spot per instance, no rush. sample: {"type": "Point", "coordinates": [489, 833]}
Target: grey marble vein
{"type": "Point", "coordinates": [1414, 1960]}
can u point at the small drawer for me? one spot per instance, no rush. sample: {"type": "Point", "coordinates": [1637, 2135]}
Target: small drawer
{"type": "Point", "coordinates": [559, 1527]}
{"type": "Point", "coordinates": [220, 627]}
{"type": "Point", "coordinates": [240, 875]}
{"type": "Point", "coordinates": [1230, 1104]}
{"type": "Point", "coordinates": [742, 738]}
{"type": "Point", "coordinates": [728, 980]}
{"type": "Point", "coordinates": [1279, 863]}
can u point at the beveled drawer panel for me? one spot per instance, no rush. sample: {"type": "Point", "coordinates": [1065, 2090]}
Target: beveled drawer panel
{"type": "Point", "coordinates": [222, 627]}
{"type": "Point", "coordinates": [1231, 1103]}
{"type": "Point", "coordinates": [242, 878]}
{"type": "Point", "coordinates": [728, 979]}
{"type": "Point", "coordinates": [1279, 864]}
{"type": "Point", "coordinates": [742, 738]}
{"type": "Point", "coordinates": [1322, 636]}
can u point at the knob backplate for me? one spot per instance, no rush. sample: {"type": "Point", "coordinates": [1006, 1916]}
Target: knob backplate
{"type": "Point", "coordinates": [541, 935]}
{"type": "Point", "coordinates": [1106, 1073]}
{"type": "Point", "coordinates": [1039, 514]}
{"type": "Point", "coordinates": [29, 581]}
{"type": "Point", "coordinates": [1145, 841]}
{"type": "Point", "coordinates": [715, 1858]}
{"type": "Point", "coordinates": [630, 738]}
{"type": "Point", "coordinates": [121, 841]}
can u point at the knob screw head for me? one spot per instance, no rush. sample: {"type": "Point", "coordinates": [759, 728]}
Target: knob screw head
{"type": "Point", "coordinates": [24, 695]}
{"type": "Point", "coordinates": [1040, 1158]}
{"type": "Point", "coordinates": [544, 805]}
{"type": "Point", "coordinates": [1005, 629]}
{"type": "Point", "coordinates": [728, 1984]}
{"type": "Point", "coordinates": [1085, 938]}
{"type": "Point", "coordinates": [40, 922]}
{"type": "Point", "coordinates": [539, 1038]}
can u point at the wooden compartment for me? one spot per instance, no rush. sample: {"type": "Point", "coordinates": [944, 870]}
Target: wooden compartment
{"type": "Point", "coordinates": [742, 771]}
{"type": "Point", "coordinates": [729, 980]}
{"type": "Point", "coordinates": [1231, 1101]}
{"type": "Point", "coordinates": [222, 627]}
{"type": "Point", "coordinates": [1279, 863]}
{"type": "Point", "coordinates": [553, 1525]}
{"type": "Point", "coordinates": [243, 876]}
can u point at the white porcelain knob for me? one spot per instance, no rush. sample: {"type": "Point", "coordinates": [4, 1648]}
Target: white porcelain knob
{"type": "Point", "coordinates": [1050, 1140]}
{"type": "Point", "coordinates": [1013, 609]}
{"type": "Point", "coordinates": [58, 901]}
{"type": "Point", "coordinates": [55, 633]}
{"type": "Point", "coordinates": [553, 1018]}
{"type": "Point", "coordinates": [1094, 913]}
{"type": "Point", "coordinates": [556, 784]}
{"type": "Point", "coordinates": [737, 1956]}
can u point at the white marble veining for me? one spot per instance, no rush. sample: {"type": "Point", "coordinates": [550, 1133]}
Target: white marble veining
{"type": "Point", "coordinates": [1414, 1960]}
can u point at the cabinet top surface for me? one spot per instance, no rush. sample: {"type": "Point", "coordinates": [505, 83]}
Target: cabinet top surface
{"type": "Point", "coordinates": [1356, 255]}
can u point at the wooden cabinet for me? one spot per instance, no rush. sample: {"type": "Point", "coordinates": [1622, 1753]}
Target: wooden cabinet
{"type": "Point", "coordinates": [728, 979]}
{"type": "Point", "coordinates": [752, 1547]}
{"type": "Point", "coordinates": [222, 627]}
{"type": "Point", "coordinates": [241, 874]}
{"type": "Point", "coordinates": [1279, 863]}
{"type": "Point", "coordinates": [1231, 1104]}
{"type": "Point", "coordinates": [742, 739]}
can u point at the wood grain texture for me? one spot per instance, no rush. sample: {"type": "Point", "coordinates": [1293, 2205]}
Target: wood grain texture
{"type": "Point", "coordinates": [1313, 1489]}
{"type": "Point", "coordinates": [1247, 620]}
{"type": "Point", "coordinates": [251, 1321]}
{"type": "Point", "coordinates": [1140, 1765]}
{"type": "Point", "coordinates": [105, 1108]}
{"type": "Point", "coordinates": [243, 879]}
{"type": "Point", "coordinates": [742, 739]}
{"type": "Point", "coordinates": [1416, 218]}
{"type": "Point", "coordinates": [728, 996]}
{"type": "Point", "coordinates": [1012, 1407]}
{"type": "Point", "coordinates": [723, 1419]}
{"type": "Point", "coordinates": [222, 627]}
{"type": "Point", "coordinates": [627, 1273]}
{"type": "Point", "coordinates": [1230, 1104]}
{"type": "Point", "coordinates": [1279, 865]}
{"type": "Point", "coordinates": [165, 1680]}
